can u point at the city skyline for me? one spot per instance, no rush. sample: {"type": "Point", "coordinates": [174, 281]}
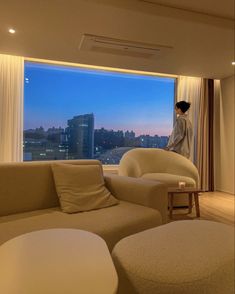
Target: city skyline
{"type": "Point", "coordinates": [95, 129]}
{"type": "Point", "coordinates": [79, 140]}
{"type": "Point", "coordinates": [119, 101]}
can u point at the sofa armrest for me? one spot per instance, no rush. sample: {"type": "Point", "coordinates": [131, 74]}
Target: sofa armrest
{"type": "Point", "coordinates": [139, 191]}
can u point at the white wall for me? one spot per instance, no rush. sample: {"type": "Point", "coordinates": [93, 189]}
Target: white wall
{"type": "Point", "coordinates": [224, 137]}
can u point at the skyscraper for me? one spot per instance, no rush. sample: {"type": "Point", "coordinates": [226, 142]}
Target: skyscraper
{"type": "Point", "coordinates": [80, 134]}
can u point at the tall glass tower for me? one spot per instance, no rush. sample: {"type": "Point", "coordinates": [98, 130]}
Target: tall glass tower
{"type": "Point", "coordinates": [80, 134]}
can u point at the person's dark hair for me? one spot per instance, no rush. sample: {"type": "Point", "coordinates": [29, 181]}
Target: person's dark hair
{"type": "Point", "coordinates": [183, 105]}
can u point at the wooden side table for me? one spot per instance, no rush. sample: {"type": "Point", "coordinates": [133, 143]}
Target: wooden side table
{"type": "Point", "coordinates": [187, 190]}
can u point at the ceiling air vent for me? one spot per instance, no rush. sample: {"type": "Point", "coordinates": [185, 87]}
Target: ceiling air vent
{"type": "Point", "coordinates": [122, 47]}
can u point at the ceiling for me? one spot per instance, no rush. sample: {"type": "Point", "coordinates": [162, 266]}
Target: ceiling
{"type": "Point", "coordinates": [200, 33]}
{"type": "Point", "coordinates": [217, 8]}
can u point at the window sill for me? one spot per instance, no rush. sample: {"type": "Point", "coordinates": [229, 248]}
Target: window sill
{"type": "Point", "coordinates": [111, 168]}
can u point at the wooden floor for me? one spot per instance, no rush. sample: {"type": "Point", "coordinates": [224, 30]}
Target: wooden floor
{"type": "Point", "coordinates": [215, 206]}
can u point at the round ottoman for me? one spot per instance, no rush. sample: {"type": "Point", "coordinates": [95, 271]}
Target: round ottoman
{"type": "Point", "coordinates": [183, 257]}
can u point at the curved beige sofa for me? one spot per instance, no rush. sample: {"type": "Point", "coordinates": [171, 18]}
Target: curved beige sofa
{"type": "Point", "coordinates": [29, 202]}
{"type": "Point", "coordinates": [160, 165]}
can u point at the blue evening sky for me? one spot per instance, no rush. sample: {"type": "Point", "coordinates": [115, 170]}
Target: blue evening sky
{"type": "Point", "coordinates": [119, 101]}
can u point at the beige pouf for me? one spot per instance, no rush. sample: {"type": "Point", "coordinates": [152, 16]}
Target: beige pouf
{"type": "Point", "coordinates": [183, 257]}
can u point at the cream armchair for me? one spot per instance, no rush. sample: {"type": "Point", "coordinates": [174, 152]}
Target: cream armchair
{"type": "Point", "coordinates": [160, 165]}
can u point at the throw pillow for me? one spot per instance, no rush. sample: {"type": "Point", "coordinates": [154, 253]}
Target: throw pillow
{"type": "Point", "coordinates": [81, 187]}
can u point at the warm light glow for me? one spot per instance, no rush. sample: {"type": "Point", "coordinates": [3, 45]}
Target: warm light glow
{"type": "Point", "coordinates": [113, 69]}
{"type": "Point", "coordinates": [11, 31]}
{"type": "Point", "coordinates": [182, 185]}
{"type": "Point", "coordinates": [233, 63]}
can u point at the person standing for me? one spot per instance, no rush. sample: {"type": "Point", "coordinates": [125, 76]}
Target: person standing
{"type": "Point", "coordinates": [180, 140]}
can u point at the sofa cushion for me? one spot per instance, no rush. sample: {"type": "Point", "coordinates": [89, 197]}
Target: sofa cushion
{"type": "Point", "coordinates": [111, 223]}
{"type": "Point", "coordinates": [169, 179]}
{"type": "Point", "coordinates": [27, 186]}
{"type": "Point", "coordinates": [81, 187]}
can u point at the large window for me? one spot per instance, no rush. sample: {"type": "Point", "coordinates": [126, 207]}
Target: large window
{"type": "Point", "coordinates": [73, 113]}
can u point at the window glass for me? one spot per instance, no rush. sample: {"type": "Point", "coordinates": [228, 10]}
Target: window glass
{"type": "Point", "coordinates": [75, 113]}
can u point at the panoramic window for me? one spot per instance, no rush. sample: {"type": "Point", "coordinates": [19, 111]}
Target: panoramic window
{"type": "Point", "coordinates": [76, 113]}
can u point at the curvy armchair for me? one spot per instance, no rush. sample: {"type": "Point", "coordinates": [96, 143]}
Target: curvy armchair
{"type": "Point", "coordinates": [159, 165]}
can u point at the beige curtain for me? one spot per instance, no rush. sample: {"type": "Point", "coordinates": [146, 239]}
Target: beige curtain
{"type": "Point", "coordinates": [11, 108]}
{"type": "Point", "coordinates": [195, 90]}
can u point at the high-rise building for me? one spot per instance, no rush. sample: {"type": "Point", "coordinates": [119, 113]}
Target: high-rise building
{"type": "Point", "coordinates": [80, 134]}
{"type": "Point", "coordinates": [130, 135]}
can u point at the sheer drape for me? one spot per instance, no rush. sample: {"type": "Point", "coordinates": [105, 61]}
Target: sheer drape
{"type": "Point", "coordinates": [11, 107]}
{"type": "Point", "coordinates": [196, 91]}
{"type": "Point", "coordinates": [189, 89]}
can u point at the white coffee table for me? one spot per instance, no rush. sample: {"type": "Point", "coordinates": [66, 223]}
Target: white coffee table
{"type": "Point", "coordinates": [57, 261]}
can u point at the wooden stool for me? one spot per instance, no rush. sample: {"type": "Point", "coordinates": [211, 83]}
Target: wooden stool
{"type": "Point", "coordinates": [187, 190]}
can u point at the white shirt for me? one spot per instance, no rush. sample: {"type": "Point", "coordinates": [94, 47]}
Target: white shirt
{"type": "Point", "coordinates": [180, 140]}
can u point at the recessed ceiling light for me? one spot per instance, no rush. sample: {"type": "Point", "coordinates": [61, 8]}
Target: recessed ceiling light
{"type": "Point", "coordinates": [11, 31]}
{"type": "Point", "coordinates": [233, 63]}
